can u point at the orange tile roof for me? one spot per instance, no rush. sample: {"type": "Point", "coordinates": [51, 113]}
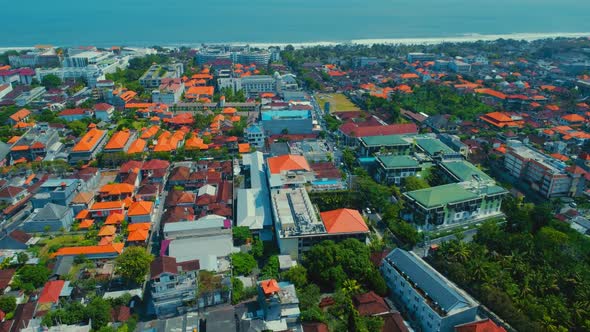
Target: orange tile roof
{"type": "Point", "coordinates": [547, 87]}
{"type": "Point", "coordinates": [270, 286]}
{"type": "Point", "coordinates": [554, 108]}
{"type": "Point", "coordinates": [139, 105]}
{"type": "Point", "coordinates": [137, 146]}
{"type": "Point", "coordinates": [106, 240]}
{"type": "Point", "coordinates": [409, 76]}
{"type": "Point", "coordinates": [13, 139]}
{"type": "Point", "coordinates": [573, 118]}
{"type": "Point", "coordinates": [128, 201]}
{"type": "Point", "coordinates": [30, 178]}
{"type": "Point", "coordinates": [196, 92]}
{"type": "Point", "coordinates": [150, 132]}
{"type": "Point", "coordinates": [86, 223]}
{"type": "Point", "coordinates": [20, 115]}
{"type": "Point", "coordinates": [90, 250]}
{"type": "Point", "coordinates": [343, 221]}
{"type": "Point", "coordinates": [107, 205]}
{"type": "Point", "coordinates": [21, 125]}
{"type": "Point", "coordinates": [20, 148]}
{"type": "Point", "coordinates": [229, 110]}
{"type": "Point", "coordinates": [140, 208]}
{"type": "Point", "coordinates": [194, 143]}
{"type": "Point", "coordinates": [287, 163]}
{"type": "Point", "coordinates": [128, 95]}
{"type": "Point", "coordinates": [243, 147]}
{"type": "Point", "coordinates": [490, 92]}
{"type": "Point", "coordinates": [107, 230]}
{"type": "Point", "coordinates": [140, 235]}
{"type": "Point", "coordinates": [117, 189]}
{"type": "Point", "coordinates": [83, 214]}
{"type": "Point", "coordinates": [138, 226]}
{"type": "Point", "coordinates": [114, 219]}
{"type": "Point", "coordinates": [559, 156]}
{"type": "Point", "coordinates": [118, 140]}
{"type": "Point", "coordinates": [89, 141]}
{"type": "Point", "coordinates": [235, 118]}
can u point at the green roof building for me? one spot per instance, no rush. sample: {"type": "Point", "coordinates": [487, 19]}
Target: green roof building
{"type": "Point", "coordinates": [461, 170]}
{"type": "Point", "coordinates": [452, 204]}
{"type": "Point", "coordinates": [392, 169]}
{"type": "Point", "coordinates": [395, 144]}
{"type": "Point", "coordinates": [433, 147]}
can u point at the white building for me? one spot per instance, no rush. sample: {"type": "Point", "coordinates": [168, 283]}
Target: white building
{"type": "Point", "coordinates": [170, 91]}
{"type": "Point", "coordinates": [173, 285]}
{"type": "Point", "coordinates": [433, 303]}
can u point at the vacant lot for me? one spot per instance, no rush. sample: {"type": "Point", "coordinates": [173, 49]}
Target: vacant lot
{"type": "Point", "coordinates": [338, 102]}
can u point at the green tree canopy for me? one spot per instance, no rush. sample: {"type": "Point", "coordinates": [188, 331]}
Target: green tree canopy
{"type": "Point", "coordinates": [51, 81]}
{"type": "Point", "coordinates": [134, 264]}
{"type": "Point", "coordinates": [7, 303]}
{"type": "Point", "coordinates": [243, 263]}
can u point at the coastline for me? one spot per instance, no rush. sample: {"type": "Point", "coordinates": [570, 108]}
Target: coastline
{"type": "Point", "coordinates": [368, 42]}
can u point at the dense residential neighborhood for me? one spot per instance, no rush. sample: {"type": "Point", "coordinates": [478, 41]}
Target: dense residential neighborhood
{"type": "Point", "coordinates": [328, 188]}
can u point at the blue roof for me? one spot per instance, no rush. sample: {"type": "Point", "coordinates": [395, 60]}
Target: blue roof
{"type": "Point", "coordinates": [426, 278]}
{"type": "Point", "coordinates": [285, 115]}
{"type": "Point", "coordinates": [256, 129]}
{"type": "Point", "coordinates": [58, 182]}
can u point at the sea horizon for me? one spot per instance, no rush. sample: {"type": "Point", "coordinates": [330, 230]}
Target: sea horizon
{"type": "Point", "coordinates": [462, 38]}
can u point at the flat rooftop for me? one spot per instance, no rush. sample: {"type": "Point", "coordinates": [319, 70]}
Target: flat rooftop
{"type": "Point", "coordinates": [551, 164]}
{"type": "Point", "coordinates": [295, 214]}
{"type": "Point", "coordinates": [286, 115]}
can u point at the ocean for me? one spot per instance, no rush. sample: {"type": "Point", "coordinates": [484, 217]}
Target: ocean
{"type": "Point", "coordinates": [106, 23]}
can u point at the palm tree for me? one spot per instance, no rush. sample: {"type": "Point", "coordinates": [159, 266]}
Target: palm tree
{"type": "Point", "coordinates": [351, 287]}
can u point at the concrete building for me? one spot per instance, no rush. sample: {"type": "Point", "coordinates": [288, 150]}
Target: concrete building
{"type": "Point", "coordinates": [545, 175]}
{"type": "Point", "coordinates": [51, 217]}
{"type": "Point", "coordinates": [287, 121]}
{"type": "Point", "coordinates": [433, 303]}
{"type": "Point", "coordinates": [254, 134]}
{"type": "Point", "coordinates": [279, 306]}
{"type": "Point", "coordinates": [253, 210]}
{"type": "Point", "coordinates": [436, 149]}
{"type": "Point", "coordinates": [173, 285]}
{"type": "Point", "coordinates": [298, 225]}
{"type": "Point", "coordinates": [39, 141]}
{"type": "Point", "coordinates": [153, 77]}
{"type": "Point", "coordinates": [28, 97]}
{"type": "Point", "coordinates": [170, 91]}
{"type": "Point", "coordinates": [393, 169]}
{"type": "Point", "coordinates": [56, 191]}
{"type": "Point", "coordinates": [257, 57]}
{"type": "Point", "coordinates": [251, 85]}
{"type": "Point", "coordinates": [104, 111]}
{"type": "Point", "coordinates": [209, 240]}
{"type": "Point", "coordinates": [460, 67]}
{"type": "Point", "coordinates": [419, 56]}
{"type": "Point", "coordinates": [288, 170]}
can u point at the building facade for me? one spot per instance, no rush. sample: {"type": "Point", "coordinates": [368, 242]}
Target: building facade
{"type": "Point", "coordinates": [173, 285]}
{"type": "Point", "coordinates": [432, 302]}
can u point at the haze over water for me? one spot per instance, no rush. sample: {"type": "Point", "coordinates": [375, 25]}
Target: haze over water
{"type": "Point", "coordinates": [170, 22]}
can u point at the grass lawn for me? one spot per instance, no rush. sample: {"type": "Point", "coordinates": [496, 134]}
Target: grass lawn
{"type": "Point", "coordinates": [338, 102]}
{"type": "Point", "coordinates": [52, 245]}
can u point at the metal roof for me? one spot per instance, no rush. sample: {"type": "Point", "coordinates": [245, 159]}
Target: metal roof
{"type": "Point", "coordinates": [437, 287]}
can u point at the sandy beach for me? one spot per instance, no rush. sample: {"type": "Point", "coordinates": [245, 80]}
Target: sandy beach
{"type": "Point", "coordinates": [391, 41]}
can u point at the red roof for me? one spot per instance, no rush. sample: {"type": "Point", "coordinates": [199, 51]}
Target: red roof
{"type": "Point", "coordinates": [51, 291]}
{"type": "Point", "coordinates": [72, 111]}
{"type": "Point", "coordinates": [288, 162]}
{"type": "Point", "coordinates": [344, 221]}
{"type": "Point", "coordinates": [481, 326]}
{"type": "Point", "coordinates": [369, 304]}
{"type": "Point", "coordinates": [102, 107]}
{"type": "Point", "coordinates": [270, 286]}
{"type": "Point", "coordinates": [352, 129]}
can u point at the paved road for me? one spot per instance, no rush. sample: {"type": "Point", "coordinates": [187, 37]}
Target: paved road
{"type": "Point", "coordinates": [154, 241]}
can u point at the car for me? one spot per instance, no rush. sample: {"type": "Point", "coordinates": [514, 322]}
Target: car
{"type": "Point", "coordinates": [368, 210]}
